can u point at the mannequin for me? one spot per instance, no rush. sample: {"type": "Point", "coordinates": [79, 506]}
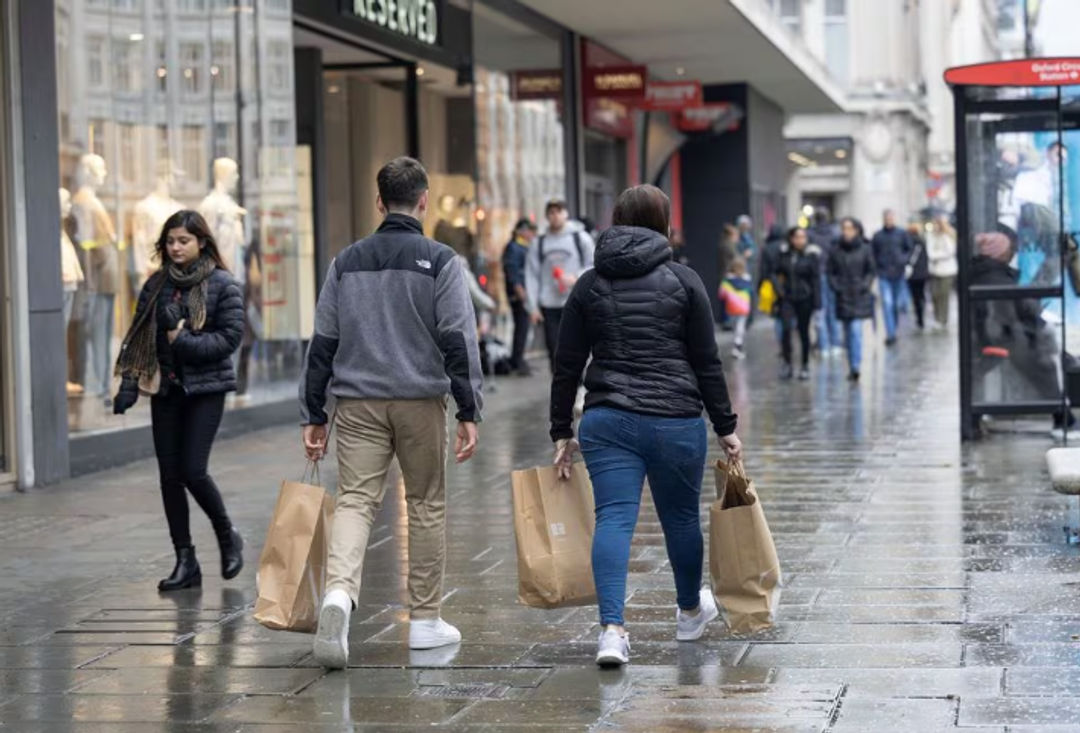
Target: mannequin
{"type": "Point", "coordinates": [150, 215]}
{"type": "Point", "coordinates": [224, 215]}
{"type": "Point", "coordinates": [71, 272]}
{"type": "Point", "coordinates": [95, 236]}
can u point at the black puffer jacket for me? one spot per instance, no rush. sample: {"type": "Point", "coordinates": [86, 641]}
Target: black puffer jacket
{"type": "Point", "coordinates": [200, 363]}
{"type": "Point", "coordinates": [648, 325]}
{"type": "Point", "coordinates": [851, 276]}
{"type": "Point", "coordinates": [797, 276]}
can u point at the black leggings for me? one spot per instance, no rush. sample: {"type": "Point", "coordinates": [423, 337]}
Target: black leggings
{"type": "Point", "coordinates": [918, 298]}
{"type": "Point", "coordinates": [798, 315]}
{"type": "Point", "coordinates": [552, 321]}
{"type": "Point", "coordinates": [184, 429]}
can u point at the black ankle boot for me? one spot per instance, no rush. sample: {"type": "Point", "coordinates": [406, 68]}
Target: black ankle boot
{"type": "Point", "coordinates": [186, 574]}
{"type": "Point", "coordinates": [232, 555]}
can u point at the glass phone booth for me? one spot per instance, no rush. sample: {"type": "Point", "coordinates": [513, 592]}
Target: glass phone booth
{"type": "Point", "coordinates": [1018, 186]}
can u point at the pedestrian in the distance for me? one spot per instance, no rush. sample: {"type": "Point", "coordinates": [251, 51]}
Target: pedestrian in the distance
{"type": "Point", "coordinates": [770, 259]}
{"type": "Point", "coordinates": [647, 323]}
{"type": "Point", "coordinates": [823, 233]}
{"type": "Point", "coordinates": [395, 333]}
{"type": "Point", "coordinates": [513, 261]}
{"type": "Point", "coordinates": [188, 323]}
{"type": "Point", "coordinates": [797, 280]}
{"type": "Point", "coordinates": [941, 251]}
{"type": "Point", "coordinates": [892, 250]}
{"type": "Point", "coordinates": [851, 277]}
{"type": "Point", "coordinates": [555, 262]}
{"type": "Point", "coordinates": [728, 252]}
{"type": "Point", "coordinates": [917, 271]}
{"type": "Point", "coordinates": [736, 296]}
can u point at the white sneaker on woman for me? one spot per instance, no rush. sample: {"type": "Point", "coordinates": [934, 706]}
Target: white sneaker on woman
{"type": "Point", "coordinates": [614, 648]}
{"type": "Point", "coordinates": [691, 628]}
{"type": "Point", "coordinates": [332, 638]}
{"type": "Point", "coordinates": [432, 634]}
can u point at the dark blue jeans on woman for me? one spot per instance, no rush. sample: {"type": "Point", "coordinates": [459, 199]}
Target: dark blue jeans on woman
{"type": "Point", "coordinates": [621, 450]}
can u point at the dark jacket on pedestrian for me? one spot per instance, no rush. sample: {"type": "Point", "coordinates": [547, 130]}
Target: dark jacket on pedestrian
{"type": "Point", "coordinates": [797, 276]}
{"type": "Point", "coordinates": [770, 254]}
{"type": "Point", "coordinates": [1011, 324]}
{"type": "Point", "coordinates": [196, 362]}
{"type": "Point", "coordinates": [824, 236]}
{"type": "Point", "coordinates": [513, 262]}
{"type": "Point", "coordinates": [918, 261]}
{"type": "Point", "coordinates": [892, 248]}
{"type": "Point", "coordinates": [647, 323]}
{"type": "Point", "coordinates": [851, 277]}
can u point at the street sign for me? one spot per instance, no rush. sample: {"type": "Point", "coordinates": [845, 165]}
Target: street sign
{"type": "Point", "coordinates": [672, 96]}
{"type": "Point", "coordinates": [1018, 73]}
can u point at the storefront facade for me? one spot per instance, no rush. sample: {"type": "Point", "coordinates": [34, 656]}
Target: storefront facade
{"type": "Point", "coordinates": [270, 117]}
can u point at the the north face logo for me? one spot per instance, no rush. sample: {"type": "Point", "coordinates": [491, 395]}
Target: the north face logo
{"type": "Point", "coordinates": [426, 264]}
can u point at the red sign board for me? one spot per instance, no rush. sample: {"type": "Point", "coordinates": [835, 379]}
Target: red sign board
{"type": "Point", "coordinates": [609, 116]}
{"type": "Point", "coordinates": [1018, 73]}
{"type": "Point", "coordinates": [537, 84]}
{"type": "Point", "coordinates": [625, 83]}
{"type": "Point", "coordinates": [718, 117]}
{"type": "Point", "coordinates": [672, 96]}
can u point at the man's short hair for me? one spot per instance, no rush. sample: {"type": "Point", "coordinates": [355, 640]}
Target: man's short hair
{"type": "Point", "coordinates": [524, 223]}
{"type": "Point", "coordinates": [402, 182]}
{"type": "Point", "coordinates": [554, 204]}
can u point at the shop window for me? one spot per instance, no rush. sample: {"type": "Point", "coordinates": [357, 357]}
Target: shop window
{"type": "Point", "coordinates": [191, 65]}
{"type": "Point", "coordinates": [130, 153]}
{"type": "Point", "coordinates": [223, 69]}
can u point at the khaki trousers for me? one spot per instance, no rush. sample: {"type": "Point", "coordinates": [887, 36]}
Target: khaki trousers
{"type": "Point", "coordinates": [369, 434]}
{"type": "Point", "coordinates": [940, 292]}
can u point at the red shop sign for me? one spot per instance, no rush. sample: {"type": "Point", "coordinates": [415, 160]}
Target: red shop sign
{"type": "Point", "coordinates": [609, 116]}
{"type": "Point", "coordinates": [1018, 73]}
{"type": "Point", "coordinates": [719, 116]}
{"type": "Point", "coordinates": [625, 83]}
{"type": "Point", "coordinates": [537, 84]}
{"type": "Point", "coordinates": [672, 96]}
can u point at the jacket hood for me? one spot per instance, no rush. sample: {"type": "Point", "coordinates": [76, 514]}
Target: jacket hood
{"type": "Point", "coordinates": [628, 252]}
{"type": "Point", "coordinates": [853, 244]}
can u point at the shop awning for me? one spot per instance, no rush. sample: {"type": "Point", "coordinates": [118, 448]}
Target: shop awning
{"type": "Point", "coordinates": [716, 41]}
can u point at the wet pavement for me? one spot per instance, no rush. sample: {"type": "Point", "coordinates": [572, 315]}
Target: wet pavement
{"type": "Point", "coordinates": [928, 588]}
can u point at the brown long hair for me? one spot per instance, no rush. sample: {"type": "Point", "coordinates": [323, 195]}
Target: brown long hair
{"type": "Point", "coordinates": [643, 206]}
{"type": "Point", "coordinates": [197, 227]}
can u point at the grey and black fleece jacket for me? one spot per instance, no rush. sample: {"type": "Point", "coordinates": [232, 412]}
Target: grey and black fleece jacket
{"type": "Point", "coordinates": [394, 321]}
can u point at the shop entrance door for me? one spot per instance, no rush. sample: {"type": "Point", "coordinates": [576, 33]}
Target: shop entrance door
{"type": "Point", "coordinates": [1018, 181]}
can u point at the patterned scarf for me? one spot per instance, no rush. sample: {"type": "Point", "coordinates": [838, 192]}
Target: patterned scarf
{"type": "Point", "coordinates": [138, 354]}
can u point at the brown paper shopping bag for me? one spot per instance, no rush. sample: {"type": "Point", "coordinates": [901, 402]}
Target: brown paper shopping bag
{"type": "Point", "coordinates": [292, 567]}
{"type": "Point", "coordinates": [743, 563]}
{"type": "Point", "coordinates": [554, 522]}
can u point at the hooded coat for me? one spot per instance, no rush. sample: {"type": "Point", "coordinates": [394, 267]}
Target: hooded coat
{"type": "Point", "coordinates": [851, 275]}
{"type": "Point", "coordinates": [647, 323]}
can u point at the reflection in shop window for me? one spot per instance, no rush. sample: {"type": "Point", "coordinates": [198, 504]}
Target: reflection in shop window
{"type": "Point", "coordinates": [131, 165]}
{"type": "Point", "coordinates": [95, 142]}
{"type": "Point", "coordinates": [129, 6]}
{"type": "Point", "coordinates": [279, 56]}
{"type": "Point", "coordinates": [191, 63]}
{"type": "Point", "coordinates": [95, 62]}
{"type": "Point", "coordinates": [127, 66]}
{"type": "Point", "coordinates": [224, 140]}
{"type": "Point", "coordinates": [193, 150]}
{"type": "Point", "coordinates": [161, 72]}
{"type": "Point", "coordinates": [222, 70]}
{"type": "Point", "coordinates": [191, 6]}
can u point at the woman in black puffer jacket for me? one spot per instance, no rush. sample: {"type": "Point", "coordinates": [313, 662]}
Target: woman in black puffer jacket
{"type": "Point", "coordinates": [188, 323]}
{"type": "Point", "coordinates": [851, 274]}
{"type": "Point", "coordinates": [797, 281]}
{"type": "Point", "coordinates": [647, 323]}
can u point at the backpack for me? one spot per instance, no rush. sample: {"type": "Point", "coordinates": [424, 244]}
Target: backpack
{"type": "Point", "coordinates": [577, 244]}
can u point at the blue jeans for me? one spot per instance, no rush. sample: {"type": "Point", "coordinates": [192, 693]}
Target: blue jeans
{"type": "Point", "coordinates": [853, 341]}
{"type": "Point", "coordinates": [892, 294]}
{"type": "Point", "coordinates": [828, 327]}
{"type": "Point", "coordinates": [98, 334]}
{"type": "Point", "coordinates": [621, 449]}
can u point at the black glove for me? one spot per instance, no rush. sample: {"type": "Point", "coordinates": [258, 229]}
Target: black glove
{"type": "Point", "coordinates": [126, 398]}
{"type": "Point", "coordinates": [170, 316]}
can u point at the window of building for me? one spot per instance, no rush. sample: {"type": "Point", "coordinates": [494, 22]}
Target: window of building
{"type": "Point", "coordinates": [191, 67]}
{"type": "Point", "coordinates": [279, 64]}
{"type": "Point", "coordinates": [193, 151]}
{"type": "Point", "coordinates": [790, 12]}
{"type": "Point", "coordinates": [223, 66]}
{"type": "Point", "coordinates": [224, 140]}
{"type": "Point", "coordinates": [127, 66]}
{"type": "Point", "coordinates": [837, 45]}
{"type": "Point", "coordinates": [127, 6]}
{"type": "Point", "coordinates": [130, 153]}
{"type": "Point", "coordinates": [95, 62]}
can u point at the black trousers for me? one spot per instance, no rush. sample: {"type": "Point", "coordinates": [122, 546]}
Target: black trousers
{"type": "Point", "coordinates": [796, 315]}
{"type": "Point", "coordinates": [184, 428]}
{"type": "Point", "coordinates": [521, 334]}
{"type": "Point", "coordinates": [552, 321]}
{"type": "Point", "coordinates": [918, 297]}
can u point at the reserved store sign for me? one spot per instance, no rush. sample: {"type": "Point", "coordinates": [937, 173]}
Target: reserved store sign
{"type": "Point", "coordinates": [415, 19]}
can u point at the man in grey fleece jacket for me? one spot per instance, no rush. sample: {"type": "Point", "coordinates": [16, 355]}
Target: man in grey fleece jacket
{"type": "Point", "coordinates": [395, 332]}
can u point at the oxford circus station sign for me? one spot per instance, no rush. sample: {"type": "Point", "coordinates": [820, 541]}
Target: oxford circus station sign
{"type": "Point", "coordinates": [415, 19]}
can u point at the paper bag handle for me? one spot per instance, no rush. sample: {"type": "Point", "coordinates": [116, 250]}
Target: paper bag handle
{"type": "Point", "coordinates": [736, 469]}
{"type": "Point", "coordinates": [312, 467]}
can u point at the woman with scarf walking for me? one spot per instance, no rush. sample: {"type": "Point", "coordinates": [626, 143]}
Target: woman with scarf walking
{"type": "Point", "coordinates": [188, 324]}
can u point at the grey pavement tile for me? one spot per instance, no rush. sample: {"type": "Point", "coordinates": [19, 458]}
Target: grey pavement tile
{"type": "Point", "coordinates": [723, 653]}
{"type": "Point", "coordinates": [1019, 711]}
{"type": "Point", "coordinates": [45, 681]}
{"type": "Point", "coordinates": [819, 632]}
{"type": "Point", "coordinates": [199, 680]}
{"type": "Point", "coordinates": [263, 655]}
{"type": "Point", "coordinates": [853, 655]}
{"type": "Point", "coordinates": [1042, 681]}
{"type": "Point", "coordinates": [885, 683]}
{"type": "Point", "coordinates": [299, 711]}
{"type": "Point", "coordinates": [914, 715]}
{"type": "Point", "coordinates": [1022, 655]}
{"type": "Point", "coordinates": [51, 657]}
{"type": "Point", "coordinates": [113, 708]}
{"type": "Point", "coordinates": [538, 714]}
{"type": "Point", "coordinates": [397, 654]}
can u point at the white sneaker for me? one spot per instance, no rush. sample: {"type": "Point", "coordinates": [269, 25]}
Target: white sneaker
{"type": "Point", "coordinates": [432, 634]}
{"type": "Point", "coordinates": [691, 628]}
{"type": "Point", "coordinates": [332, 638]}
{"type": "Point", "coordinates": [614, 649]}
